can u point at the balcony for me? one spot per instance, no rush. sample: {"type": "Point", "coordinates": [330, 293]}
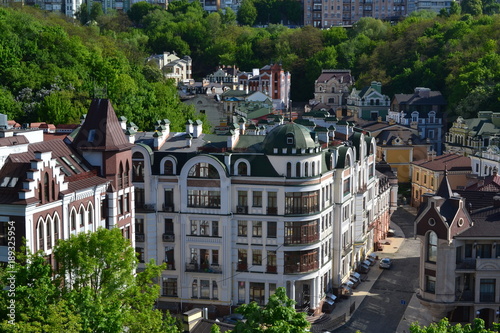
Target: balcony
{"type": "Point", "coordinates": [242, 267]}
{"type": "Point", "coordinates": [301, 239]}
{"type": "Point", "coordinates": [168, 207]}
{"type": "Point", "coordinates": [272, 210]}
{"type": "Point", "coordinates": [464, 296]}
{"type": "Point", "coordinates": [272, 269]}
{"type": "Point", "coordinates": [301, 268]}
{"type": "Point", "coordinates": [170, 266]}
{"type": "Point", "coordinates": [466, 264]}
{"type": "Point", "coordinates": [242, 209]}
{"type": "Point", "coordinates": [139, 237]}
{"type": "Point", "coordinates": [168, 237]}
{"type": "Point", "coordinates": [203, 268]}
{"type": "Point", "coordinates": [148, 207]}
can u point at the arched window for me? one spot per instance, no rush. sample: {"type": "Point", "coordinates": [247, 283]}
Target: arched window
{"type": "Point", "coordinates": [53, 190]}
{"type": "Point", "coordinates": [242, 169]}
{"type": "Point", "coordinates": [56, 228]}
{"type": "Point", "coordinates": [347, 161]}
{"type": "Point", "coordinates": [46, 187]}
{"type": "Point", "coordinates": [90, 214]}
{"type": "Point", "coordinates": [432, 246]}
{"type": "Point", "coordinates": [297, 169]}
{"type": "Point", "coordinates": [289, 169]}
{"type": "Point", "coordinates": [126, 174]}
{"type": "Point", "coordinates": [48, 234]}
{"type": "Point", "coordinates": [40, 235]}
{"type": "Point", "coordinates": [203, 170]}
{"type": "Point", "coordinates": [40, 191]}
{"type": "Point", "coordinates": [313, 168]}
{"type": "Point", "coordinates": [81, 216]}
{"type": "Point", "coordinates": [73, 219]}
{"type": "Point", "coordinates": [306, 169]}
{"type": "Point", "coordinates": [120, 176]}
{"type": "Point", "coordinates": [137, 167]}
{"type": "Point", "coordinates": [168, 168]}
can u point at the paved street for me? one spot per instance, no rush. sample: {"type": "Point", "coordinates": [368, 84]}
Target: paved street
{"type": "Point", "coordinates": [384, 307]}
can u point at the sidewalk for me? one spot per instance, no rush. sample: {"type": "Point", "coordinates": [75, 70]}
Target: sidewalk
{"type": "Point", "coordinates": [415, 312]}
{"type": "Point", "coordinates": [345, 308]}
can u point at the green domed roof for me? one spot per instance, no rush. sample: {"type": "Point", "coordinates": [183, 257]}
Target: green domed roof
{"type": "Point", "coordinates": [290, 136]}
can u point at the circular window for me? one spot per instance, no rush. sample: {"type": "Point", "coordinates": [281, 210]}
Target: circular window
{"type": "Point", "coordinates": [432, 222]}
{"type": "Point", "coordinates": [460, 222]}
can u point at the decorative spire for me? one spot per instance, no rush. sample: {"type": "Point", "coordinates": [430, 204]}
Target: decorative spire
{"type": "Point", "coordinates": [444, 189]}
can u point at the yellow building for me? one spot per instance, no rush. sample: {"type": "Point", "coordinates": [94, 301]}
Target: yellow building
{"type": "Point", "coordinates": [399, 145]}
{"type": "Point", "coordinates": [428, 174]}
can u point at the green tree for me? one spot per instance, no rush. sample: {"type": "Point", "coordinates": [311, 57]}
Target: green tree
{"type": "Point", "coordinates": [139, 10]}
{"type": "Point", "coordinates": [82, 14]}
{"type": "Point", "coordinates": [215, 328]}
{"type": "Point", "coordinates": [228, 16]}
{"type": "Point", "coordinates": [444, 326]}
{"type": "Point", "coordinates": [95, 11]}
{"type": "Point", "coordinates": [472, 7]}
{"type": "Point", "coordinates": [455, 8]}
{"type": "Point", "coordinates": [95, 289]}
{"type": "Point", "coordinates": [247, 13]}
{"type": "Point", "coordinates": [277, 316]}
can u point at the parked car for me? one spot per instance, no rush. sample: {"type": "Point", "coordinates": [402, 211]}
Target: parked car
{"type": "Point", "coordinates": [233, 318]}
{"type": "Point", "coordinates": [353, 282]}
{"type": "Point", "coordinates": [385, 263]}
{"type": "Point", "coordinates": [363, 268]}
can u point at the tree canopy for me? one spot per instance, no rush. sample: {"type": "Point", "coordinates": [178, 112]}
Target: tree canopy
{"type": "Point", "coordinates": [95, 289]}
{"type": "Point", "coordinates": [277, 316]}
{"type": "Point", "coordinates": [444, 326]}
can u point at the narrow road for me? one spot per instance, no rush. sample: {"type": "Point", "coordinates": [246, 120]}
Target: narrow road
{"type": "Point", "coordinates": [384, 308]}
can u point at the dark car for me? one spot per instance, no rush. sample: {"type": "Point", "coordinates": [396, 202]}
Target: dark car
{"type": "Point", "coordinates": [233, 318]}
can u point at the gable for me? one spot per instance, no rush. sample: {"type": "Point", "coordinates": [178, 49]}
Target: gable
{"type": "Point", "coordinates": [423, 226]}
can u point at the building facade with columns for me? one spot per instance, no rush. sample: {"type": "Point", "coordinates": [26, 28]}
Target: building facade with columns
{"type": "Point", "coordinates": [235, 216]}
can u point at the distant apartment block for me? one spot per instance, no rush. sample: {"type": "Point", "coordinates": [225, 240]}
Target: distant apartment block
{"type": "Point", "coordinates": [173, 67]}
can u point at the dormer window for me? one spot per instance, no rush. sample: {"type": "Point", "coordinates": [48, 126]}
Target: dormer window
{"type": "Point", "coordinates": [290, 140]}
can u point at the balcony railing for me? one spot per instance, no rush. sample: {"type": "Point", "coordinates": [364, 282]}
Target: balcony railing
{"type": "Point", "coordinates": [242, 267]}
{"type": "Point", "coordinates": [242, 209]}
{"type": "Point", "coordinates": [170, 265]}
{"type": "Point", "coordinates": [464, 296]}
{"type": "Point", "coordinates": [301, 268]}
{"type": "Point", "coordinates": [272, 269]}
{"type": "Point", "coordinates": [272, 210]}
{"type": "Point", "coordinates": [203, 268]}
{"type": "Point", "coordinates": [168, 208]}
{"type": "Point", "coordinates": [139, 237]}
{"type": "Point", "coordinates": [168, 237]}
{"type": "Point", "coordinates": [304, 239]}
{"type": "Point", "coordinates": [466, 264]}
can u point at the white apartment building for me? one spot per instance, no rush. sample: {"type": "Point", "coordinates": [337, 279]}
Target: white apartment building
{"type": "Point", "coordinates": [236, 216]}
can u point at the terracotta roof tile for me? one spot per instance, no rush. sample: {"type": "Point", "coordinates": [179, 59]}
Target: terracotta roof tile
{"type": "Point", "coordinates": [451, 162]}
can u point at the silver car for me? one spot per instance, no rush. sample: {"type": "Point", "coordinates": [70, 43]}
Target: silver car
{"type": "Point", "coordinates": [385, 263]}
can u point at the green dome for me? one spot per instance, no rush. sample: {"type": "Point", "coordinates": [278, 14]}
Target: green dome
{"type": "Point", "coordinates": [290, 136]}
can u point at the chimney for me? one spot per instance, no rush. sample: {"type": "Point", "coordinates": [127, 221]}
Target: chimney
{"type": "Point", "coordinates": [197, 128]}
{"type": "Point", "coordinates": [189, 140]}
{"type": "Point", "coordinates": [189, 126]}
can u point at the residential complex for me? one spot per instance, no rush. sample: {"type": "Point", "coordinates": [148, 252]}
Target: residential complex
{"type": "Point", "coordinates": [235, 216]}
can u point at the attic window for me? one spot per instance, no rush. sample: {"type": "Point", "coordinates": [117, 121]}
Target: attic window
{"type": "Point", "coordinates": [91, 135]}
{"type": "Point", "coordinates": [460, 222]}
{"type": "Point", "coordinates": [432, 222]}
{"type": "Point", "coordinates": [290, 139]}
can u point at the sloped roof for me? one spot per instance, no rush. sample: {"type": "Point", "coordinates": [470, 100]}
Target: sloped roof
{"type": "Point", "coordinates": [451, 162]}
{"type": "Point", "coordinates": [490, 184]}
{"type": "Point", "coordinates": [75, 170]}
{"type": "Point", "coordinates": [101, 130]}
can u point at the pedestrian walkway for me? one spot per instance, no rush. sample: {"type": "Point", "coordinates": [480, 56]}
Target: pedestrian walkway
{"type": "Point", "coordinates": [344, 309]}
